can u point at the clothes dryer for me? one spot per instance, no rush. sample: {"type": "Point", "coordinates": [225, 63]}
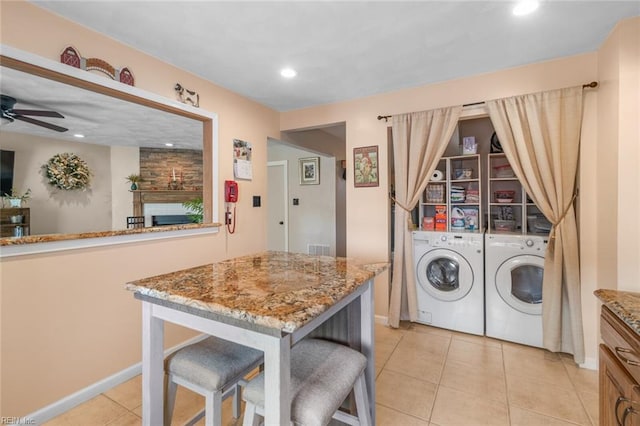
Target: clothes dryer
{"type": "Point", "coordinates": [449, 270]}
{"type": "Point", "coordinates": [514, 267]}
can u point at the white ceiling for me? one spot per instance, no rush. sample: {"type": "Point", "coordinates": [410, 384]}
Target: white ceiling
{"type": "Point", "coordinates": [347, 49]}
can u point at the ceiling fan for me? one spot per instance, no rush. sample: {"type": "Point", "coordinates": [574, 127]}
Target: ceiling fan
{"type": "Point", "coordinates": [8, 113]}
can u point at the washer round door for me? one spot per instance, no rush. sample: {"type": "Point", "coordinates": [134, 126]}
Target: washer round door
{"type": "Point", "coordinates": [444, 274]}
{"type": "Point", "coordinates": [519, 283]}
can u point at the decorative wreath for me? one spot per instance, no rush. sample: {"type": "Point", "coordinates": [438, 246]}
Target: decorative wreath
{"type": "Point", "coordinates": [68, 171]}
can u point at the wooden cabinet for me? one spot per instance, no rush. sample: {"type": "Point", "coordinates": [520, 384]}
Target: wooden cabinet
{"type": "Point", "coordinates": [14, 219]}
{"type": "Point", "coordinates": [619, 372]}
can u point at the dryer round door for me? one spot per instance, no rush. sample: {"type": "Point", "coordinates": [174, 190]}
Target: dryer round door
{"type": "Point", "coordinates": [444, 274]}
{"type": "Point", "coordinates": [519, 283]}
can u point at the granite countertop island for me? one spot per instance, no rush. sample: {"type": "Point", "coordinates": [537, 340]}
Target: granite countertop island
{"type": "Point", "coordinates": [624, 304]}
{"type": "Point", "coordinates": [277, 290]}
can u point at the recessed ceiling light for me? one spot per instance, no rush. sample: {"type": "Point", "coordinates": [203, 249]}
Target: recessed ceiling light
{"type": "Point", "coordinates": [525, 7]}
{"type": "Point", "coordinates": [78, 135]}
{"type": "Point", "coordinates": [288, 72]}
{"type": "Point", "coordinates": [168, 144]}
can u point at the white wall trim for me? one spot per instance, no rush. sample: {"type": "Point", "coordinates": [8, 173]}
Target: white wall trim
{"type": "Point", "coordinates": [67, 403]}
{"type": "Point", "coordinates": [379, 319]}
{"type": "Point", "coordinates": [590, 364]}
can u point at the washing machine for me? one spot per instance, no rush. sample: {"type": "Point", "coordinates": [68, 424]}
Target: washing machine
{"type": "Point", "coordinates": [514, 268]}
{"type": "Point", "coordinates": [449, 270]}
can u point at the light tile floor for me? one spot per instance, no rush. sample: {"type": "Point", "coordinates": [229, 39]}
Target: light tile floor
{"type": "Point", "coordinates": [424, 376]}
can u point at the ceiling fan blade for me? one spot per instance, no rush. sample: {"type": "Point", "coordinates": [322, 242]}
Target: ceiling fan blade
{"type": "Point", "coordinates": [40, 123]}
{"type": "Point", "coordinates": [36, 112]}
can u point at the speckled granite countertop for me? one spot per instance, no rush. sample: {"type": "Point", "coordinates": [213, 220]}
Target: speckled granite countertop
{"type": "Point", "coordinates": [625, 304]}
{"type": "Point", "coordinates": [47, 238]}
{"type": "Point", "coordinates": [277, 290]}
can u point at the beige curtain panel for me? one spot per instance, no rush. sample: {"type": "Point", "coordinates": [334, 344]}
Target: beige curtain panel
{"type": "Point", "coordinates": [540, 136]}
{"type": "Point", "coordinates": [419, 140]}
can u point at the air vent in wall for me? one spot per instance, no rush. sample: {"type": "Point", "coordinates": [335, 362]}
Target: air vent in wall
{"type": "Point", "coordinates": [318, 249]}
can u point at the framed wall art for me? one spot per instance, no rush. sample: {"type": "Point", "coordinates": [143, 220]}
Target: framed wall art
{"type": "Point", "coordinates": [365, 166]}
{"type": "Point", "coordinates": [309, 171]}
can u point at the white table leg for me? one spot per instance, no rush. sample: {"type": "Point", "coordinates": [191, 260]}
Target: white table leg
{"type": "Point", "coordinates": [152, 367]}
{"type": "Point", "coordinates": [277, 377]}
{"type": "Point", "coordinates": [367, 340]}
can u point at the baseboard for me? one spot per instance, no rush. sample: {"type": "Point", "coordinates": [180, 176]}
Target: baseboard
{"type": "Point", "coordinates": [67, 403]}
{"type": "Point", "coordinates": [590, 364]}
{"type": "Point", "coordinates": [379, 319]}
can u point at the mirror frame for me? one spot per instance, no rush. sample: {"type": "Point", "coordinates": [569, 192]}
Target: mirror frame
{"type": "Point", "coordinates": [11, 57]}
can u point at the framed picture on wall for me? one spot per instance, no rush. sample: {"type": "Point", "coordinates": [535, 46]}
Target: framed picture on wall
{"type": "Point", "coordinates": [365, 166]}
{"type": "Point", "coordinates": [309, 171]}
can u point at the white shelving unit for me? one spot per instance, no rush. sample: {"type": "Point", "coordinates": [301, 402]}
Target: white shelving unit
{"type": "Point", "coordinates": [458, 195]}
{"type": "Point", "coordinates": [518, 215]}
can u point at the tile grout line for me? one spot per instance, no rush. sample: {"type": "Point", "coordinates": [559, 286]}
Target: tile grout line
{"type": "Point", "coordinates": [444, 364]}
{"type": "Point", "coordinates": [584, 407]}
{"type": "Point", "coordinates": [506, 386]}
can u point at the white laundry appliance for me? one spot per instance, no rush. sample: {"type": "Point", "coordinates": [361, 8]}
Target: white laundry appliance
{"type": "Point", "coordinates": [514, 268]}
{"type": "Point", "coordinates": [449, 269]}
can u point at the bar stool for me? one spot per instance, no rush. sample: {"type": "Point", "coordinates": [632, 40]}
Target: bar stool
{"type": "Point", "coordinates": [215, 369]}
{"type": "Point", "coordinates": [323, 374]}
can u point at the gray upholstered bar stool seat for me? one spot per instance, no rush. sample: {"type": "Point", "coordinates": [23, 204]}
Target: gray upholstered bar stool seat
{"type": "Point", "coordinates": [323, 374]}
{"type": "Point", "coordinates": [214, 368]}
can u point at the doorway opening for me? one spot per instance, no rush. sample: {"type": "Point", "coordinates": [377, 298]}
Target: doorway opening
{"type": "Point", "coordinates": [317, 213]}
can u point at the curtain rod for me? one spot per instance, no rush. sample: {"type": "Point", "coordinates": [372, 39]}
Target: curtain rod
{"type": "Point", "coordinates": [591, 85]}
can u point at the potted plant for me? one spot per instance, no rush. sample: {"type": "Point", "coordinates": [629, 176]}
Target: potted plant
{"type": "Point", "coordinates": [16, 197]}
{"type": "Point", "coordinates": [134, 179]}
{"type": "Point", "coordinates": [195, 209]}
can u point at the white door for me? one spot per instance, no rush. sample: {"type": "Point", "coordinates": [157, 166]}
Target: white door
{"type": "Point", "coordinates": [277, 212]}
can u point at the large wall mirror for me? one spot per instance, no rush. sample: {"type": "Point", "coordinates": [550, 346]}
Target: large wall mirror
{"type": "Point", "coordinates": [125, 132]}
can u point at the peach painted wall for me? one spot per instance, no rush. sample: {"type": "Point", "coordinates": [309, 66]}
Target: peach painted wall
{"type": "Point", "coordinates": [628, 33]}
{"type": "Point", "coordinates": [65, 319]}
{"type": "Point", "coordinates": [367, 211]}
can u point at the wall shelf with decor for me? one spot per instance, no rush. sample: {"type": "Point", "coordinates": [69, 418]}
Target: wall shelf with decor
{"type": "Point", "coordinates": [13, 218]}
{"type": "Point", "coordinates": [510, 209]}
{"type": "Point", "coordinates": [452, 199]}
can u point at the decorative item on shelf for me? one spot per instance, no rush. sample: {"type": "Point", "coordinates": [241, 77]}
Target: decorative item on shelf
{"type": "Point", "coordinates": [428, 223]}
{"type": "Point", "coordinates": [174, 183]}
{"type": "Point", "coordinates": [469, 145]}
{"type": "Point", "coordinates": [471, 218]}
{"type": "Point", "coordinates": [496, 147]}
{"type": "Point", "coordinates": [457, 194]}
{"type": "Point", "coordinates": [457, 219]}
{"type": "Point", "coordinates": [365, 166]}
{"type": "Point", "coordinates": [187, 96]}
{"type": "Point", "coordinates": [462, 173]}
{"type": "Point", "coordinates": [71, 56]}
{"type": "Point", "coordinates": [472, 196]}
{"type": "Point", "coordinates": [437, 176]}
{"type": "Point", "coordinates": [16, 198]}
{"type": "Point", "coordinates": [68, 171]}
{"type": "Point", "coordinates": [18, 231]}
{"type": "Point", "coordinates": [441, 218]}
{"type": "Point", "coordinates": [15, 219]}
{"type": "Point", "coordinates": [503, 171]}
{"type": "Point", "coordinates": [435, 192]}
{"type": "Point", "coordinates": [504, 225]}
{"type": "Point", "coordinates": [504, 196]}
{"type": "Point", "coordinates": [135, 180]}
